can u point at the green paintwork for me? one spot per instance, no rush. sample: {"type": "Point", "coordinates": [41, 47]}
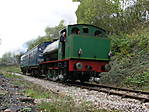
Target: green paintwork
{"type": "Point", "coordinates": [93, 47]}
{"type": "Point", "coordinates": [91, 28]}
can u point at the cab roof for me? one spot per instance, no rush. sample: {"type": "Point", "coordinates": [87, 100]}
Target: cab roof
{"type": "Point", "coordinates": [87, 25]}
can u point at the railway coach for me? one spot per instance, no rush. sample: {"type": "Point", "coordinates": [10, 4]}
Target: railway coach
{"type": "Point", "coordinates": [30, 60]}
{"type": "Point", "coordinates": [82, 51]}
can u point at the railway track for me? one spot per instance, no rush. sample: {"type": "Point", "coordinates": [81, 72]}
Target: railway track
{"type": "Point", "coordinates": [123, 92]}
{"type": "Point", "coordinates": [142, 96]}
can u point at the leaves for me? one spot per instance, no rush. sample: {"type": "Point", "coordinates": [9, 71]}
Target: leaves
{"type": "Point", "coordinates": [9, 59]}
{"type": "Point", "coordinates": [32, 43]}
{"type": "Point", "coordinates": [113, 15]}
{"type": "Point", "coordinates": [130, 65]}
{"type": "Point", "coordinates": [139, 80]}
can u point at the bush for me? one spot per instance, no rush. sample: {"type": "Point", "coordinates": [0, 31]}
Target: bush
{"type": "Point", "coordinates": [130, 65]}
{"type": "Point", "coordinates": [139, 80]}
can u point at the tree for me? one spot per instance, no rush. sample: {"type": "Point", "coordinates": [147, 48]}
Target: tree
{"type": "Point", "coordinates": [8, 59]}
{"type": "Point", "coordinates": [32, 43]}
{"type": "Point", "coordinates": [51, 33]}
{"type": "Point", "coordinates": [113, 15]}
{"type": "Point", "coordinates": [11, 58]}
{"type": "Point", "coordinates": [17, 57]}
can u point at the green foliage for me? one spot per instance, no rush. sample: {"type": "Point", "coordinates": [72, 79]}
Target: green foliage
{"type": "Point", "coordinates": [10, 58]}
{"type": "Point", "coordinates": [59, 105]}
{"type": "Point", "coordinates": [36, 93]}
{"type": "Point", "coordinates": [68, 105]}
{"type": "Point", "coordinates": [130, 64]}
{"type": "Point", "coordinates": [113, 15]}
{"type": "Point", "coordinates": [32, 43]}
{"type": "Point", "coordinates": [12, 68]}
{"type": "Point", "coordinates": [53, 32]}
{"type": "Point", "coordinates": [7, 59]}
{"type": "Point", "coordinates": [11, 76]}
{"type": "Point", "coordinates": [139, 80]}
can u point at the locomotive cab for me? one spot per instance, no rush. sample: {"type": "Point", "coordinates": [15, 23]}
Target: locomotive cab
{"type": "Point", "coordinates": [82, 41]}
{"type": "Point", "coordinates": [87, 48]}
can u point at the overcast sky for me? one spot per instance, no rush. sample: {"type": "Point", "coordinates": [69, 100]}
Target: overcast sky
{"type": "Point", "coordinates": [23, 20]}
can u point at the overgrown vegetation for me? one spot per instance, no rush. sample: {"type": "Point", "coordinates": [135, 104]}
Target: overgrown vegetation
{"type": "Point", "coordinates": [130, 63]}
{"type": "Point", "coordinates": [139, 80]}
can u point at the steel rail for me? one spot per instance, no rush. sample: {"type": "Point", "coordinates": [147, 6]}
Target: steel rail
{"type": "Point", "coordinates": [117, 88]}
{"type": "Point", "coordinates": [97, 87]}
{"type": "Point", "coordinates": [123, 95]}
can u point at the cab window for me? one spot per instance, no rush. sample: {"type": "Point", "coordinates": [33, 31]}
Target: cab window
{"type": "Point", "coordinates": [85, 30]}
{"type": "Point", "coordinates": [75, 30]}
{"type": "Point", "coordinates": [98, 33]}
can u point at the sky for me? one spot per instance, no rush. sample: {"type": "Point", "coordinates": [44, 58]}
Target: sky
{"type": "Point", "coordinates": [23, 20]}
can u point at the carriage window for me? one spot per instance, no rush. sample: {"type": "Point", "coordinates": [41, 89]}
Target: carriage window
{"type": "Point", "coordinates": [85, 30]}
{"type": "Point", "coordinates": [75, 30]}
{"type": "Point", "coordinates": [98, 33]}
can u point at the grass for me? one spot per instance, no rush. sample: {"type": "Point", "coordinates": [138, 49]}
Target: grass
{"type": "Point", "coordinates": [12, 68]}
{"type": "Point", "coordinates": [37, 92]}
{"type": "Point", "coordinates": [139, 81]}
{"type": "Point", "coordinates": [12, 76]}
{"type": "Point", "coordinates": [67, 105]}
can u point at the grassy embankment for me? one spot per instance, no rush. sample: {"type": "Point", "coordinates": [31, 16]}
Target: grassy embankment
{"type": "Point", "coordinates": [57, 102]}
{"type": "Point", "coordinates": [130, 63]}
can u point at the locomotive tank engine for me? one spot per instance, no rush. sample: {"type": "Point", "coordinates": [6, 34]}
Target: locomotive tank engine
{"type": "Point", "coordinates": [81, 52]}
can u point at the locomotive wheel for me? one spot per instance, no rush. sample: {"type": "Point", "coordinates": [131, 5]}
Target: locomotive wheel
{"type": "Point", "coordinates": [63, 75]}
{"type": "Point", "coordinates": [52, 75]}
{"type": "Point", "coordinates": [34, 73]}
